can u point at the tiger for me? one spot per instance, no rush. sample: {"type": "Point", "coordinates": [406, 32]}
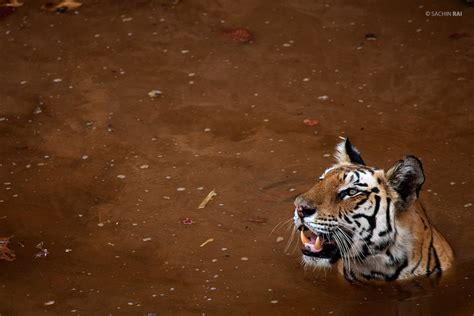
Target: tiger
{"type": "Point", "coordinates": [369, 224]}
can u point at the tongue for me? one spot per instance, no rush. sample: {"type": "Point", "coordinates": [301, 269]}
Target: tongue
{"type": "Point", "coordinates": [313, 244]}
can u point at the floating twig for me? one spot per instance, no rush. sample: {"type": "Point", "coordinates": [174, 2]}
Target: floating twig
{"type": "Point", "coordinates": [207, 199]}
{"type": "Point", "coordinates": [206, 242]}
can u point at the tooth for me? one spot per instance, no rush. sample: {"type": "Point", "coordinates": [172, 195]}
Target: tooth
{"type": "Point", "coordinates": [317, 244]}
{"type": "Point", "coordinates": [304, 239]}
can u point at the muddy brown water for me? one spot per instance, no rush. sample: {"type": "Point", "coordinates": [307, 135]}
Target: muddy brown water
{"type": "Point", "coordinates": [230, 119]}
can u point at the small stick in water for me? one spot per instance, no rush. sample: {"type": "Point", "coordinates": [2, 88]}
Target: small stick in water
{"type": "Point", "coordinates": [206, 242]}
{"type": "Point", "coordinates": [207, 199]}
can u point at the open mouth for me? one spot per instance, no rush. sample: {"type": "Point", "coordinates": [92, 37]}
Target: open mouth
{"type": "Point", "coordinates": [318, 245]}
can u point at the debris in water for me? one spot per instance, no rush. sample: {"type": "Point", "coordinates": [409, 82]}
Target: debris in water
{"type": "Point", "coordinates": [244, 259]}
{"type": "Point", "coordinates": [279, 239]}
{"type": "Point", "coordinates": [12, 4]}
{"type": "Point", "coordinates": [146, 239]}
{"type": "Point", "coordinates": [323, 97]}
{"type": "Point", "coordinates": [64, 6]}
{"type": "Point", "coordinates": [310, 122]}
{"type": "Point", "coordinates": [37, 110]}
{"type": "Point", "coordinates": [258, 220]}
{"type": "Point", "coordinates": [43, 253]}
{"type": "Point", "coordinates": [155, 93]}
{"type": "Point", "coordinates": [370, 37]}
{"type": "Point", "coordinates": [206, 242]}
{"type": "Point", "coordinates": [5, 252]}
{"type": "Point", "coordinates": [207, 199]}
{"type": "Point", "coordinates": [241, 35]}
{"type": "Point", "coordinates": [121, 176]}
{"type": "Point", "coordinates": [187, 221]}
{"type": "Point", "coordinates": [48, 303]}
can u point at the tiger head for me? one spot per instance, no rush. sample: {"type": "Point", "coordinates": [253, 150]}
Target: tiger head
{"type": "Point", "coordinates": [351, 212]}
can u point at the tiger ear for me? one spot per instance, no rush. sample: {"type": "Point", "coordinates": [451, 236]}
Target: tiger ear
{"type": "Point", "coordinates": [346, 153]}
{"type": "Point", "coordinates": [406, 177]}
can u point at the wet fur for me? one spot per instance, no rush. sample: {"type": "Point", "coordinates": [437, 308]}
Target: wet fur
{"type": "Point", "coordinates": [391, 237]}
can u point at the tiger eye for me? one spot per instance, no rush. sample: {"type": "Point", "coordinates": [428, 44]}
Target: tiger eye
{"type": "Point", "coordinates": [352, 192]}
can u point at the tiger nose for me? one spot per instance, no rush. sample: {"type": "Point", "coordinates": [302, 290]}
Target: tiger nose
{"type": "Point", "coordinates": [303, 207]}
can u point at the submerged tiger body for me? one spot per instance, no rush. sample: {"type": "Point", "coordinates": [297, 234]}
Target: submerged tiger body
{"type": "Point", "coordinates": [369, 223]}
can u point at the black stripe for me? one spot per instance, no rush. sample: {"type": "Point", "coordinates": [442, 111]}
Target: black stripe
{"type": "Point", "coordinates": [349, 276]}
{"type": "Point", "coordinates": [428, 272]}
{"type": "Point", "coordinates": [381, 275]}
{"type": "Point", "coordinates": [433, 254]}
{"type": "Point", "coordinates": [360, 203]}
{"type": "Point", "coordinates": [417, 264]}
{"type": "Point", "coordinates": [372, 220]}
{"type": "Point", "coordinates": [382, 245]}
{"type": "Point", "coordinates": [375, 275]}
{"type": "Point", "coordinates": [390, 256]}
{"type": "Point", "coordinates": [344, 272]}
{"type": "Point", "coordinates": [424, 223]}
{"type": "Point", "coordinates": [387, 213]}
{"type": "Point", "coordinates": [365, 252]}
{"type": "Point", "coordinates": [437, 268]}
{"type": "Point", "coordinates": [347, 219]}
{"type": "Point", "coordinates": [353, 275]}
{"type": "Point", "coordinates": [362, 171]}
{"type": "Point", "coordinates": [395, 276]}
{"type": "Point", "coordinates": [368, 277]}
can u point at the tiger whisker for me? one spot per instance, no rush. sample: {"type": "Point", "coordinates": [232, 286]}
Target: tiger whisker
{"type": "Point", "coordinates": [281, 224]}
{"type": "Point", "coordinates": [290, 240]}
